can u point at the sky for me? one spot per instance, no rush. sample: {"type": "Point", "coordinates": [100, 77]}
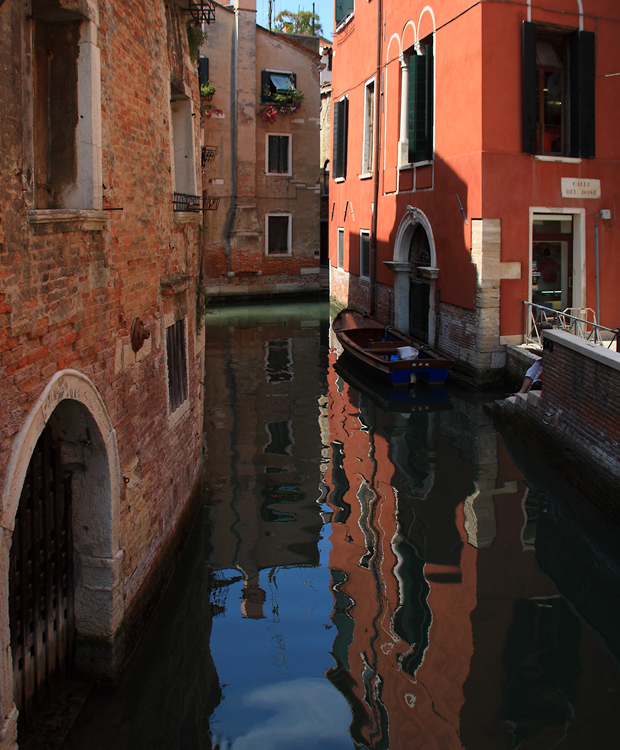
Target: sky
{"type": "Point", "coordinates": [323, 8]}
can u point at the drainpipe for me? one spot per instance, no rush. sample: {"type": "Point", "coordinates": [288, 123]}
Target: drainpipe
{"type": "Point", "coordinates": [375, 166]}
{"type": "Point", "coordinates": [605, 214]}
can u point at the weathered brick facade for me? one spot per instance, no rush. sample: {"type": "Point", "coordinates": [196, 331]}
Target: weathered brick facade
{"type": "Point", "coordinates": [237, 261]}
{"type": "Point", "coordinates": [85, 253]}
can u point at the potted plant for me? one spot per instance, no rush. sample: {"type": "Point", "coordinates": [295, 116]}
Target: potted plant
{"type": "Point", "coordinates": [282, 103]}
{"type": "Point", "coordinates": [207, 90]}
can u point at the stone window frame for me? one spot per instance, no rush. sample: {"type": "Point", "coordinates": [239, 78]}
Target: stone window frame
{"type": "Point", "coordinates": [83, 209]}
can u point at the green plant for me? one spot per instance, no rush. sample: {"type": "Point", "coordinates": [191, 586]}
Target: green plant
{"type": "Point", "coordinates": [195, 38]}
{"type": "Point", "coordinates": [282, 103]}
{"type": "Point", "coordinates": [207, 89]}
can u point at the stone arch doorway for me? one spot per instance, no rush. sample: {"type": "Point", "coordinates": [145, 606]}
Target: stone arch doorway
{"type": "Point", "coordinates": [70, 418]}
{"type": "Point", "coordinates": [415, 274]}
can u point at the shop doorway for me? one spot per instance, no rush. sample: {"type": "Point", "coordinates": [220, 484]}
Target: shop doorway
{"type": "Point", "coordinates": [552, 261]}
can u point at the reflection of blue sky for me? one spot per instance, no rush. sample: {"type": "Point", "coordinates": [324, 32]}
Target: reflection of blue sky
{"type": "Point", "coordinates": [323, 8]}
{"type": "Point", "coordinates": [304, 713]}
{"type": "Point", "coordinates": [272, 669]}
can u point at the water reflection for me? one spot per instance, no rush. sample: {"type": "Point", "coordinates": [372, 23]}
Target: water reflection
{"type": "Point", "coordinates": [367, 573]}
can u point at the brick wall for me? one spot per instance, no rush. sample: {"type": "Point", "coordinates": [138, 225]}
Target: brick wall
{"type": "Point", "coordinates": [70, 293]}
{"type": "Point", "coordinates": [581, 396]}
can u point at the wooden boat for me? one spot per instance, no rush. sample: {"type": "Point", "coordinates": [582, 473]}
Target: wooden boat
{"type": "Point", "coordinates": [388, 353]}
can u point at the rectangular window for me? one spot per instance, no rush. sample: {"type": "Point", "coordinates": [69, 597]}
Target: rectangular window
{"type": "Point", "coordinates": [344, 8]}
{"type": "Point", "coordinates": [177, 364]}
{"type": "Point", "coordinates": [369, 128]}
{"type": "Point", "coordinates": [183, 147]}
{"type": "Point", "coordinates": [558, 92]}
{"type": "Point", "coordinates": [274, 82]}
{"type": "Point", "coordinates": [340, 258]}
{"type": "Point", "coordinates": [278, 233]}
{"type": "Point", "coordinates": [278, 154]}
{"type": "Point", "coordinates": [203, 71]}
{"type": "Point", "coordinates": [365, 253]}
{"type": "Point", "coordinates": [340, 138]}
{"type": "Point", "coordinates": [420, 115]}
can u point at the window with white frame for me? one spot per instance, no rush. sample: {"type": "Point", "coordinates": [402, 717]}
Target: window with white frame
{"type": "Point", "coordinates": [343, 9]}
{"type": "Point", "coordinates": [558, 91]}
{"type": "Point", "coordinates": [184, 175]}
{"type": "Point", "coordinates": [340, 248]}
{"type": "Point", "coordinates": [369, 128]}
{"type": "Point", "coordinates": [417, 120]}
{"type": "Point", "coordinates": [365, 253]}
{"type": "Point", "coordinates": [278, 153]}
{"type": "Point", "coordinates": [278, 234]}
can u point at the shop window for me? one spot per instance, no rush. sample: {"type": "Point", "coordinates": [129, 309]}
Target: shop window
{"type": "Point", "coordinates": [276, 82]}
{"type": "Point", "coordinates": [365, 253]}
{"type": "Point", "coordinates": [558, 84]}
{"type": "Point", "coordinates": [340, 138]}
{"type": "Point", "coordinates": [278, 234]}
{"type": "Point", "coordinates": [420, 105]}
{"type": "Point", "coordinates": [278, 154]}
{"type": "Point", "coordinates": [340, 250]}
{"type": "Point", "coordinates": [344, 8]}
{"type": "Point", "coordinates": [177, 364]}
{"type": "Point", "coordinates": [369, 128]}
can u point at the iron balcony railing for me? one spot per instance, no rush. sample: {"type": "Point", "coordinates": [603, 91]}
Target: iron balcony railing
{"type": "Point", "coordinates": [582, 324]}
{"type": "Point", "coordinates": [207, 154]}
{"type": "Point", "coordinates": [185, 202]}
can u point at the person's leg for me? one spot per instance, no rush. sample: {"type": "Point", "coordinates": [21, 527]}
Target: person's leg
{"type": "Point", "coordinates": [527, 384]}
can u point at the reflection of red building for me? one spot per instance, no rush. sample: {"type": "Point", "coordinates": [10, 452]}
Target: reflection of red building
{"type": "Point", "coordinates": [426, 566]}
{"type": "Point", "coordinates": [448, 170]}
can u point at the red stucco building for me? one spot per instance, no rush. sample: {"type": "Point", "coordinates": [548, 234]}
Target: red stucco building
{"type": "Point", "coordinates": [483, 136]}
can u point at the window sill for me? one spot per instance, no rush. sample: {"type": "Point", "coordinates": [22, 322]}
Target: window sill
{"type": "Point", "coordinates": [287, 254]}
{"type": "Point", "coordinates": [562, 159]}
{"type": "Point", "coordinates": [279, 174]}
{"type": "Point", "coordinates": [411, 165]}
{"type": "Point", "coordinates": [365, 176]}
{"type": "Point", "coordinates": [54, 220]}
{"type": "Point", "coordinates": [364, 280]}
{"type": "Point", "coordinates": [188, 217]}
{"type": "Point", "coordinates": [339, 179]}
{"type": "Point", "coordinates": [345, 22]}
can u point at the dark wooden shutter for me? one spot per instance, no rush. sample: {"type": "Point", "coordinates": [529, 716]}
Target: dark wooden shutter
{"type": "Point", "coordinates": [265, 86]}
{"type": "Point", "coordinates": [420, 104]}
{"type": "Point", "coordinates": [529, 115]}
{"type": "Point", "coordinates": [582, 50]}
{"type": "Point", "coordinates": [341, 111]}
{"type": "Point", "coordinates": [203, 70]}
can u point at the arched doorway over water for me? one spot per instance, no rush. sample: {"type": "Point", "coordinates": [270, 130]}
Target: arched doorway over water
{"type": "Point", "coordinates": [61, 516]}
{"type": "Point", "coordinates": [415, 274]}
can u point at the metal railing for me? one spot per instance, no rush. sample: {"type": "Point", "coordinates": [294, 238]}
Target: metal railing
{"type": "Point", "coordinates": [582, 324]}
{"type": "Point", "coordinates": [185, 202]}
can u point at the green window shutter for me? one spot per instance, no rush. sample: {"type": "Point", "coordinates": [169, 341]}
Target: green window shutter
{"type": "Point", "coordinates": [420, 104]}
{"type": "Point", "coordinates": [529, 114]}
{"type": "Point", "coordinates": [343, 9]}
{"type": "Point", "coordinates": [341, 110]}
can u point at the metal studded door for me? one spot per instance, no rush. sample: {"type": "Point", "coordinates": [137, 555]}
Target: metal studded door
{"type": "Point", "coordinates": [41, 578]}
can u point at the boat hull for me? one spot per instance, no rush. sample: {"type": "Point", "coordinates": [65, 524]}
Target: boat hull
{"type": "Point", "coordinates": [375, 347]}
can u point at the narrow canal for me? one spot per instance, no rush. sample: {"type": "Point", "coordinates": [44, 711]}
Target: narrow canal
{"type": "Point", "coordinates": [367, 573]}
